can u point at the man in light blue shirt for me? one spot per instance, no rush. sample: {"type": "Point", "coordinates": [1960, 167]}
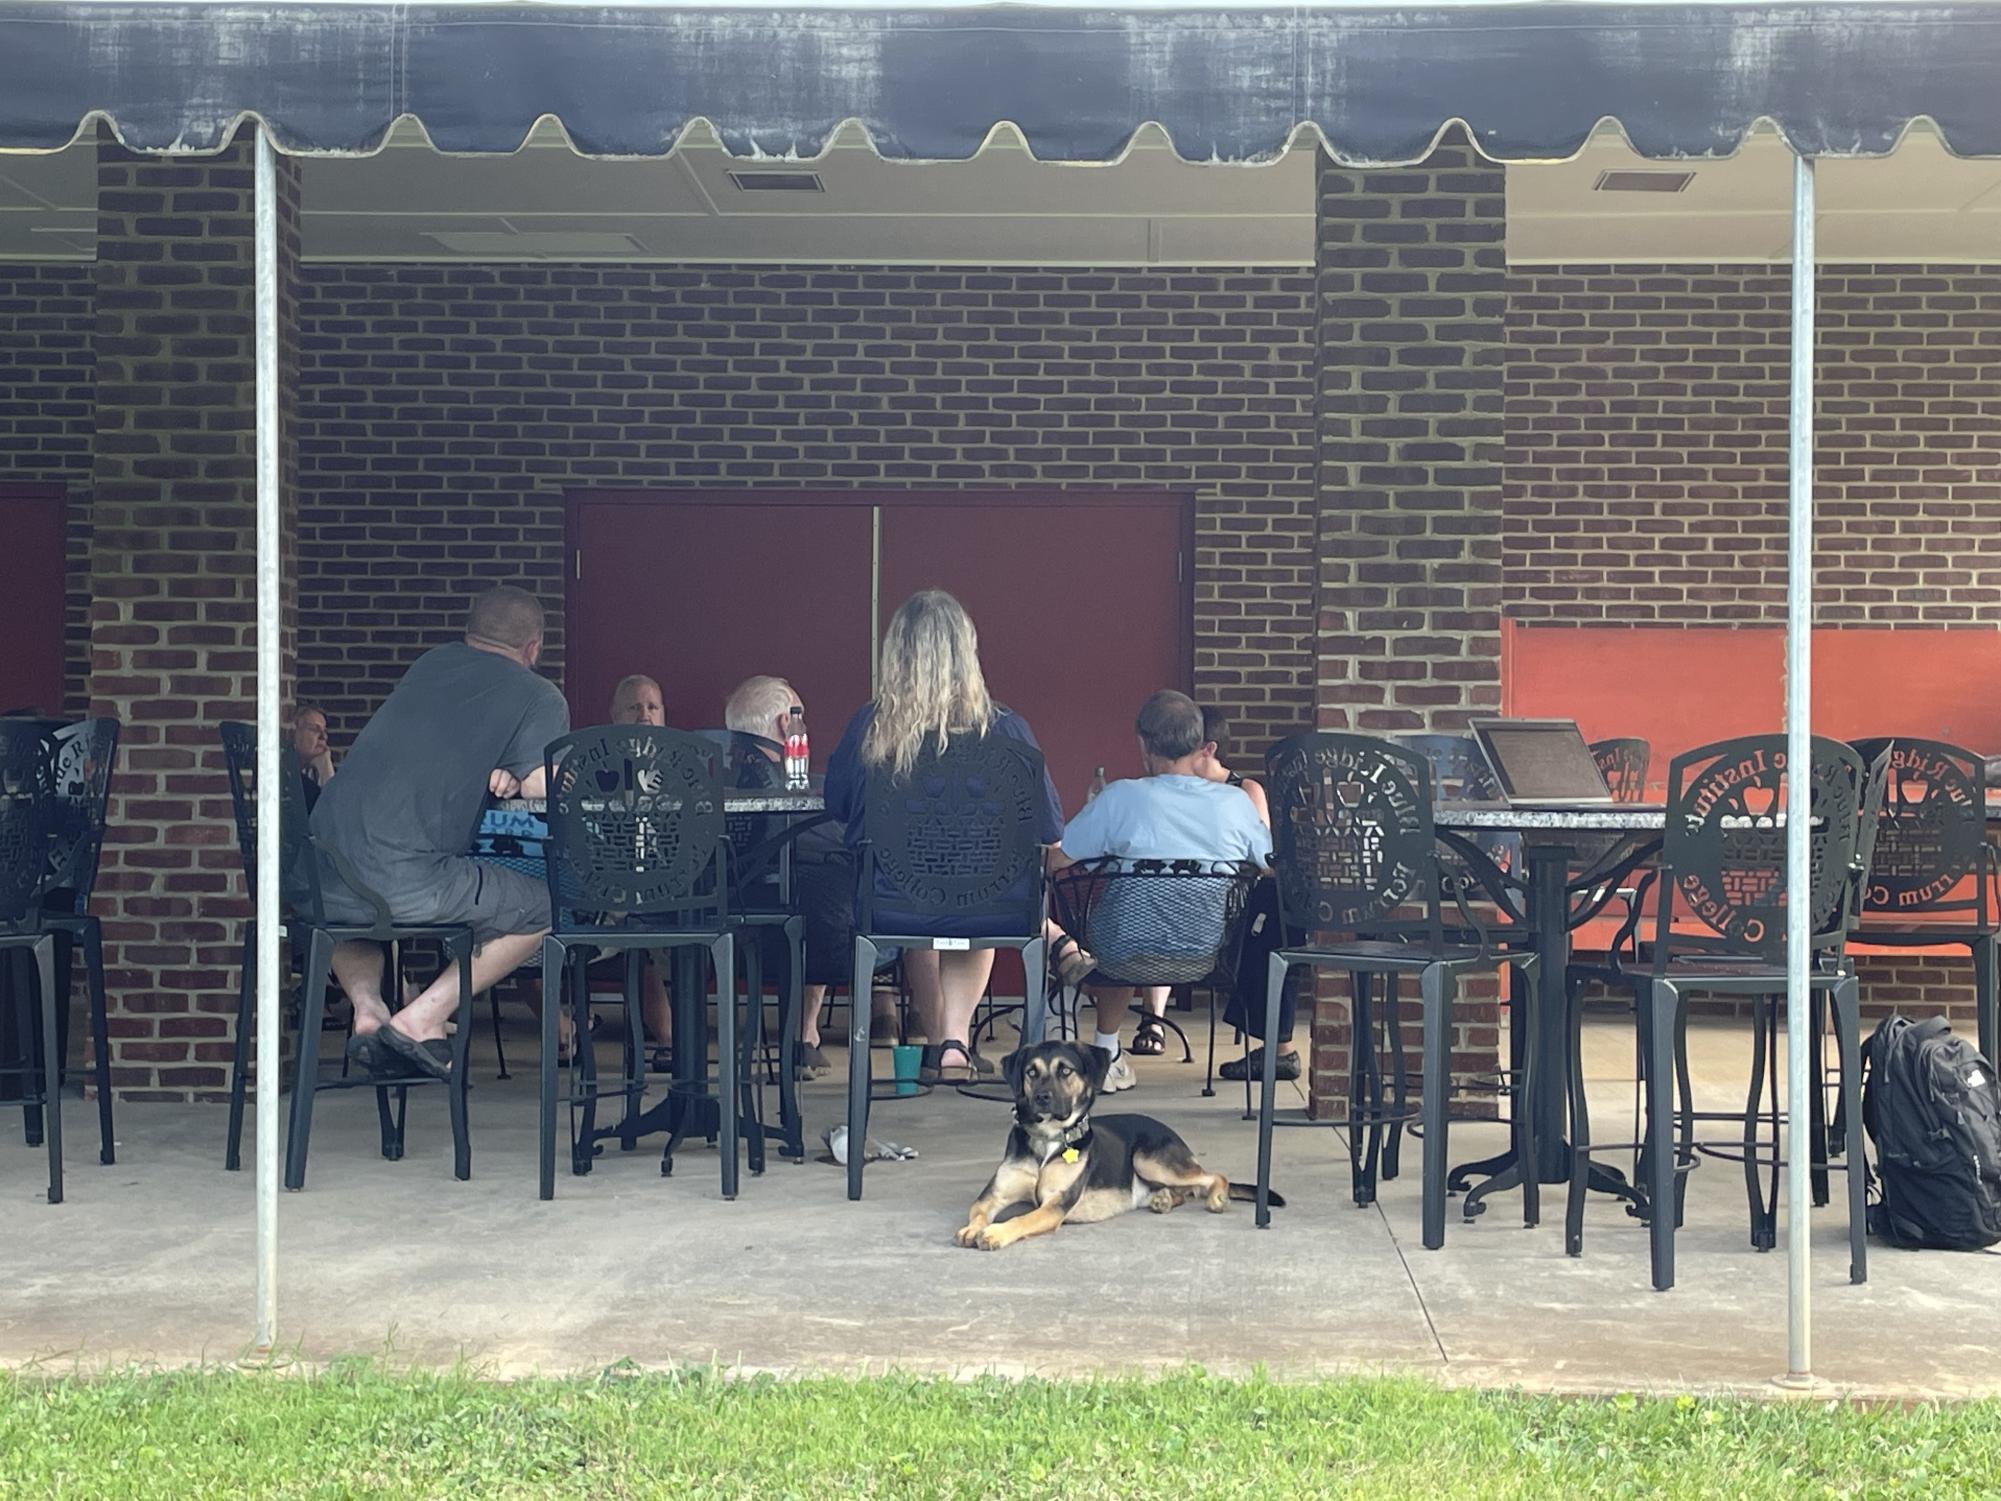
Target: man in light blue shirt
{"type": "Point", "coordinates": [1172, 813]}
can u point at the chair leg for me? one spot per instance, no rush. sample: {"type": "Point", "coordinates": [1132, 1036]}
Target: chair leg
{"type": "Point", "coordinates": [499, 1047]}
{"type": "Point", "coordinates": [392, 1147]}
{"type": "Point", "coordinates": [790, 1123]}
{"type": "Point", "coordinates": [634, 1053]}
{"type": "Point", "coordinates": [52, 1061]}
{"type": "Point", "coordinates": [1372, 1080]}
{"type": "Point", "coordinates": [239, 1069]}
{"type": "Point", "coordinates": [1684, 1083]}
{"type": "Point", "coordinates": [1399, 1078]}
{"type": "Point", "coordinates": [724, 952]}
{"type": "Point", "coordinates": [1436, 987]}
{"type": "Point", "coordinates": [306, 1067]}
{"type": "Point", "coordinates": [1526, 1012]}
{"type": "Point", "coordinates": [1848, 1038]}
{"type": "Point", "coordinates": [457, 1085]}
{"type": "Point", "coordinates": [1275, 972]}
{"type": "Point", "coordinates": [583, 1071]}
{"type": "Point", "coordinates": [554, 960]}
{"type": "Point", "coordinates": [1663, 1006]}
{"type": "Point", "coordinates": [1209, 1075]}
{"type": "Point", "coordinates": [860, 1013]}
{"type": "Point", "coordinates": [1035, 992]}
{"type": "Point", "coordinates": [1817, 1138]}
{"type": "Point", "coordinates": [100, 1038]}
{"type": "Point", "coordinates": [1987, 996]}
{"type": "Point", "coordinates": [747, 1034]}
{"type": "Point", "coordinates": [1579, 1119]}
{"type": "Point", "coordinates": [1361, 1043]}
{"type": "Point", "coordinates": [27, 1026]}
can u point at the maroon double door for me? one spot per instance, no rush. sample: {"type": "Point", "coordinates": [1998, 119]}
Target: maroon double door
{"type": "Point", "coordinates": [1083, 602]}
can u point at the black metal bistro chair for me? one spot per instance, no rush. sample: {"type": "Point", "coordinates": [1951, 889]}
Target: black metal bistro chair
{"type": "Point", "coordinates": [953, 846]}
{"type": "Point", "coordinates": [1156, 922]}
{"type": "Point", "coordinates": [1357, 858]}
{"type": "Point", "coordinates": [1933, 873]}
{"type": "Point", "coordinates": [1624, 761]}
{"type": "Point", "coordinates": [28, 817]}
{"type": "Point", "coordinates": [638, 858]}
{"type": "Point", "coordinates": [1719, 927]}
{"type": "Point", "coordinates": [301, 887]}
{"type": "Point", "coordinates": [84, 754]}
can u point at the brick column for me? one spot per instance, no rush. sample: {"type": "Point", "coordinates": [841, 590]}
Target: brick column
{"type": "Point", "coordinates": [1411, 295]}
{"type": "Point", "coordinates": [173, 587]}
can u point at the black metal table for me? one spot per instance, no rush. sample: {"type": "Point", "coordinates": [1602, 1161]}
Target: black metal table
{"type": "Point", "coordinates": [1551, 886]}
{"type": "Point", "coordinates": [690, 1107]}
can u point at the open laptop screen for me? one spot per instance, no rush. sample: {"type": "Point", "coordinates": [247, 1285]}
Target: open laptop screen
{"type": "Point", "coordinates": [1542, 760]}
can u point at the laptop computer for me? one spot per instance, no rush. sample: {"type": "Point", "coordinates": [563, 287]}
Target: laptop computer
{"type": "Point", "coordinates": [1542, 763]}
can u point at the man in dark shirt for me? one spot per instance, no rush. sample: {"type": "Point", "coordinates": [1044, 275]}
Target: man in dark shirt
{"type": "Point", "coordinates": [468, 719]}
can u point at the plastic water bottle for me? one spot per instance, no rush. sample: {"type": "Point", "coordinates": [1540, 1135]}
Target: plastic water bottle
{"type": "Point", "coordinates": [1097, 785]}
{"type": "Point", "coordinates": [798, 753]}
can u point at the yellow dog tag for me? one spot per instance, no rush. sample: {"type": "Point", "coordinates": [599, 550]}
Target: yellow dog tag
{"type": "Point", "coordinates": [1070, 1154]}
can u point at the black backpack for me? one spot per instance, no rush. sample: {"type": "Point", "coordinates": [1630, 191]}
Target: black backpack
{"type": "Point", "coordinates": [1932, 1107]}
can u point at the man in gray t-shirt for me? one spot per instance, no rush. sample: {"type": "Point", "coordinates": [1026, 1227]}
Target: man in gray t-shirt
{"type": "Point", "coordinates": [468, 719]}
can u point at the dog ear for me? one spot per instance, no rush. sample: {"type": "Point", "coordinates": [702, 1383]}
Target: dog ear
{"type": "Point", "coordinates": [1097, 1063]}
{"type": "Point", "coordinates": [1012, 1067]}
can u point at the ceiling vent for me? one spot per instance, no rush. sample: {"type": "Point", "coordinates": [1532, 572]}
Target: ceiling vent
{"type": "Point", "coordinates": [1633, 180]}
{"type": "Point", "coordinates": [777, 182]}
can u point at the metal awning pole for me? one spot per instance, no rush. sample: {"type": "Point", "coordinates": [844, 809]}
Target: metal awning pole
{"type": "Point", "coordinates": [1799, 760]}
{"type": "Point", "coordinates": [269, 770]}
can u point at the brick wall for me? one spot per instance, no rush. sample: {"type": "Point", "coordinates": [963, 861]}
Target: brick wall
{"type": "Point", "coordinates": [1646, 466]}
{"type": "Point", "coordinates": [445, 410]}
{"type": "Point", "coordinates": [1646, 445]}
{"type": "Point", "coordinates": [172, 614]}
{"type": "Point", "coordinates": [47, 370]}
{"type": "Point", "coordinates": [1410, 288]}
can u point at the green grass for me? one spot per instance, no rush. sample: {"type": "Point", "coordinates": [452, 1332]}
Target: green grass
{"type": "Point", "coordinates": [363, 1430]}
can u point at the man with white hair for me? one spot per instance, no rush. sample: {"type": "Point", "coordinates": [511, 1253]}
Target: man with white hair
{"type": "Point", "coordinates": [822, 871]}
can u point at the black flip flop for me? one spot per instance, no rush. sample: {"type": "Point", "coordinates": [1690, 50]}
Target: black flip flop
{"type": "Point", "coordinates": [416, 1056]}
{"type": "Point", "coordinates": [363, 1053]}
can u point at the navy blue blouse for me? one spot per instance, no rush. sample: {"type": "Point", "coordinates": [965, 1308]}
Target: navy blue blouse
{"type": "Point", "coordinates": [847, 778]}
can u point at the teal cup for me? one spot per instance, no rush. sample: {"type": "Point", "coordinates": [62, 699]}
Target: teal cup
{"type": "Point", "coordinates": [906, 1061]}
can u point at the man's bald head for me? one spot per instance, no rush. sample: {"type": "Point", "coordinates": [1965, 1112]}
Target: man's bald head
{"type": "Point", "coordinates": [506, 619]}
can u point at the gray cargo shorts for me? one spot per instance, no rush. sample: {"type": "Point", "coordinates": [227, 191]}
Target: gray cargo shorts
{"type": "Point", "coordinates": [494, 901]}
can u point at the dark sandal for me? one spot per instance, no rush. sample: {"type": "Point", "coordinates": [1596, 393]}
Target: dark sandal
{"type": "Point", "coordinates": [415, 1056]}
{"type": "Point", "coordinates": [1069, 963]}
{"type": "Point", "coordinates": [1149, 1039]}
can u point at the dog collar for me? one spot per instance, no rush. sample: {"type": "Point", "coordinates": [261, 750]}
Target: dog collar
{"type": "Point", "coordinates": [1070, 1146]}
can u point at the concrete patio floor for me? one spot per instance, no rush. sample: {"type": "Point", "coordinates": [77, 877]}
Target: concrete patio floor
{"type": "Point", "coordinates": [151, 1260]}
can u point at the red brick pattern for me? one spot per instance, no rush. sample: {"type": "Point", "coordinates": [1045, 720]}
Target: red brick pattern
{"type": "Point", "coordinates": [1646, 445]}
{"type": "Point", "coordinates": [172, 616]}
{"type": "Point", "coordinates": [47, 312]}
{"type": "Point", "coordinates": [445, 411]}
{"type": "Point", "coordinates": [1410, 288]}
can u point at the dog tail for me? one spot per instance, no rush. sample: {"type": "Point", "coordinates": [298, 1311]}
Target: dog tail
{"type": "Point", "coordinates": [1247, 1193]}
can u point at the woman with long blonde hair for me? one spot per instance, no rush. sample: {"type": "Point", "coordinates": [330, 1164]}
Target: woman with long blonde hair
{"type": "Point", "coordinates": [930, 691]}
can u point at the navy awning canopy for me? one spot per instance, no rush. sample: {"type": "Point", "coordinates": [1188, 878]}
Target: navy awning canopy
{"type": "Point", "coordinates": [1378, 81]}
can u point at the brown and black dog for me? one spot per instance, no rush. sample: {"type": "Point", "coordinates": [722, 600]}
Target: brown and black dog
{"type": "Point", "coordinates": [1075, 1170]}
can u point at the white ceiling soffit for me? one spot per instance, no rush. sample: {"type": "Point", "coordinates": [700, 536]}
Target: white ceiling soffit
{"type": "Point", "coordinates": [544, 203]}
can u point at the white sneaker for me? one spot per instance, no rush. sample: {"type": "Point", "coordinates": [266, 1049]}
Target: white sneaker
{"type": "Point", "coordinates": [1119, 1076]}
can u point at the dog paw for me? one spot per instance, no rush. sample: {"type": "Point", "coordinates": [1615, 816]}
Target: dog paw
{"type": "Point", "coordinates": [990, 1239]}
{"type": "Point", "coordinates": [1163, 1200]}
{"type": "Point", "coordinates": [966, 1235]}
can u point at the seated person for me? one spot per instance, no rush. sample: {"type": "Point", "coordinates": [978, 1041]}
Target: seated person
{"type": "Point", "coordinates": [468, 719]}
{"type": "Point", "coordinates": [823, 872]}
{"type": "Point", "coordinates": [1174, 812]}
{"type": "Point", "coordinates": [1150, 1038]}
{"type": "Point", "coordinates": [315, 752]}
{"type": "Point", "coordinates": [930, 687]}
{"type": "Point", "coordinates": [637, 700]}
